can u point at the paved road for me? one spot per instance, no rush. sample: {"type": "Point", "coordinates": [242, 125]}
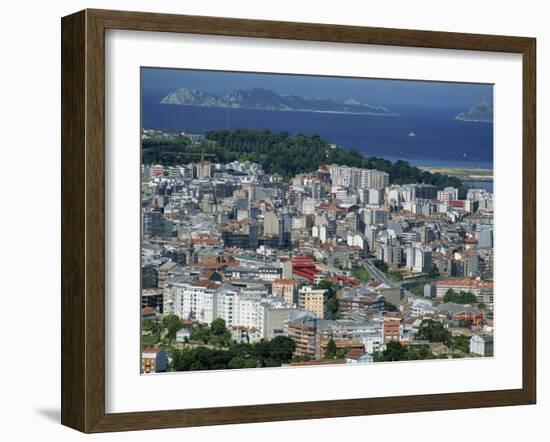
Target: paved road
{"type": "Point", "coordinates": [380, 275]}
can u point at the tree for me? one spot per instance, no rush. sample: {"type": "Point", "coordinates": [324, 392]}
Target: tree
{"type": "Point", "coordinates": [461, 343]}
{"type": "Point", "coordinates": [147, 324]}
{"type": "Point", "coordinates": [381, 265]}
{"type": "Point", "coordinates": [236, 362]}
{"type": "Point", "coordinates": [361, 273]}
{"type": "Point", "coordinates": [282, 154]}
{"type": "Point", "coordinates": [418, 289]}
{"type": "Point", "coordinates": [219, 334]}
{"type": "Point", "coordinates": [281, 349]}
{"type": "Point", "coordinates": [341, 353]}
{"type": "Point", "coordinates": [332, 303]}
{"type": "Point", "coordinates": [394, 352]}
{"type": "Point", "coordinates": [200, 332]}
{"type": "Point", "coordinates": [434, 331]}
{"type": "Point", "coordinates": [172, 324]}
{"type": "Point", "coordinates": [460, 297]}
{"type": "Point", "coordinates": [433, 272]}
{"type": "Point", "coordinates": [395, 276]}
{"type": "Point", "coordinates": [331, 350]}
{"type": "Point", "coordinates": [272, 353]}
{"type": "Point", "coordinates": [217, 326]}
{"type": "Point", "coordinates": [153, 327]}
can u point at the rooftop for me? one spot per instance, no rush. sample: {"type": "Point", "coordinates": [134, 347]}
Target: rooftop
{"type": "Point", "coordinates": [464, 282]}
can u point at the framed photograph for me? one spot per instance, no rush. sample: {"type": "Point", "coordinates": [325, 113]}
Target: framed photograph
{"type": "Point", "coordinates": [267, 221]}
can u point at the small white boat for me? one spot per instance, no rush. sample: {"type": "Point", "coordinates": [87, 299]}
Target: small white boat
{"type": "Point", "coordinates": [412, 134]}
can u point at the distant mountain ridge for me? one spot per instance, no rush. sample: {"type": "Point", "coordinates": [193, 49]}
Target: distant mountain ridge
{"type": "Point", "coordinates": [482, 112]}
{"type": "Point", "coordinates": [265, 99]}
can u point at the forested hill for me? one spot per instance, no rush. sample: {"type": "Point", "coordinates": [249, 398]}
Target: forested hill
{"type": "Point", "coordinates": [283, 154]}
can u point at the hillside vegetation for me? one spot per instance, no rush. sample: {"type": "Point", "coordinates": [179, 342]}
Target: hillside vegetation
{"type": "Point", "coordinates": [283, 154]}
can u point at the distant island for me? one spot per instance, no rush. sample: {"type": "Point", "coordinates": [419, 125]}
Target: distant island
{"type": "Point", "coordinates": [482, 112]}
{"type": "Point", "coordinates": [265, 99]}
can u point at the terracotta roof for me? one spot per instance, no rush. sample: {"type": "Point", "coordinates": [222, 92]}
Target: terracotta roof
{"type": "Point", "coordinates": [204, 283]}
{"type": "Point", "coordinates": [147, 310]}
{"type": "Point", "coordinates": [464, 282]}
{"type": "Point", "coordinates": [152, 350]}
{"type": "Point", "coordinates": [392, 315]}
{"type": "Point", "coordinates": [355, 353]}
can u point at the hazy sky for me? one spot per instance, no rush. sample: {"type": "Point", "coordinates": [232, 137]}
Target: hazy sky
{"type": "Point", "coordinates": [389, 93]}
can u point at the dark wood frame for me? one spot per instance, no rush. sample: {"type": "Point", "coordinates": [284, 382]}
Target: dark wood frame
{"type": "Point", "coordinates": [83, 217]}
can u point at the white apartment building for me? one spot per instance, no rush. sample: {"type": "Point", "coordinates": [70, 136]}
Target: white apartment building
{"type": "Point", "coordinates": [421, 307]}
{"type": "Point", "coordinates": [191, 299]}
{"type": "Point", "coordinates": [357, 240]}
{"type": "Point", "coordinates": [358, 178]}
{"type": "Point", "coordinates": [340, 175]}
{"type": "Point", "coordinates": [206, 301]}
{"type": "Point", "coordinates": [399, 194]}
{"type": "Point", "coordinates": [419, 258]}
{"type": "Point", "coordinates": [448, 194]}
{"type": "Point", "coordinates": [481, 345]}
{"type": "Point", "coordinates": [376, 196]}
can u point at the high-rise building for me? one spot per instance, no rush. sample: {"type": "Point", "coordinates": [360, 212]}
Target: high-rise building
{"type": "Point", "coordinates": [376, 196]}
{"type": "Point", "coordinates": [286, 289]}
{"type": "Point", "coordinates": [419, 258]}
{"type": "Point", "coordinates": [448, 194]}
{"type": "Point", "coordinates": [204, 169]}
{"type": "Point", "coordinates": [425, 191]}
{"type": "Point", "coordinates": [375, 216]}
{"type": "Point", "coordinates": [272, 224]}
{"type": "Point", "coordinates": [193, 299]}
{"type": "Point", "coordinates": [358, 178]}
{"type": "Point", "coordinates": [312, 300]}
{"type": "Point", "coordinates": [152, 223]}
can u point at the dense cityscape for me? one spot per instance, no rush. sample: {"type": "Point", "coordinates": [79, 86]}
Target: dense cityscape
{"type": "Point", "coordinates": [243, 267]}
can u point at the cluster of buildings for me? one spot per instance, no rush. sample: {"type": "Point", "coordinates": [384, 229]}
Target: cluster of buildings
{"type": "Point", "coordinates": [231, 241]}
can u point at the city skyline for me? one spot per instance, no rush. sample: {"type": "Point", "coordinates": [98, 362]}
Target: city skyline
{"type": "Point", "coordinates": [284, 248]}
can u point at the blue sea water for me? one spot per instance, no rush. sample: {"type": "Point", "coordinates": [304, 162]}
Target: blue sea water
{"type": "Point", "coordinates": [439, 139]}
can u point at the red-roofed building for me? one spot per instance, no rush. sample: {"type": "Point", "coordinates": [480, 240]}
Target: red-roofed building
{"type": "Point", "coordinates": [483, 290]}
{"type": "Point", "coordinates": [392, 326]}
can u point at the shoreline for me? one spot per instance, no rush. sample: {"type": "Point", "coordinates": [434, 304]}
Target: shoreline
{"type": "Point", "coordinates": [367, 113]}
{"type": "Point", "coordinates": [463, 173]}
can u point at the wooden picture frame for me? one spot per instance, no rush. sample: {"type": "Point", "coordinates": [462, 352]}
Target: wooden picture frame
{"type": "Point", "coordinates": [83, 220]}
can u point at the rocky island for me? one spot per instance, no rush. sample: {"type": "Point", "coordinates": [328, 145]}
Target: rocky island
{"type": "Point", "coordinates": [265, 99]}
{"type": "Point", "coordinates": [482, 112]}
